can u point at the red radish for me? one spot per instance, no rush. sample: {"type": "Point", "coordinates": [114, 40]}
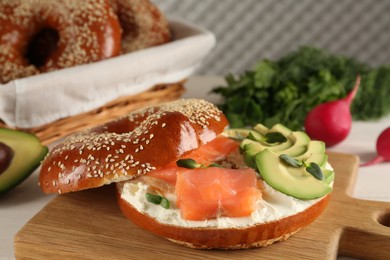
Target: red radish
{"type": "Point", "coordinates": [331, 121]}
{"type": "Point", "coordinates": [382, 148]}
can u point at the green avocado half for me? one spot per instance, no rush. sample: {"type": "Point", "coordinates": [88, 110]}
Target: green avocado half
{"type": "Point", "coordinates": [21, 153]}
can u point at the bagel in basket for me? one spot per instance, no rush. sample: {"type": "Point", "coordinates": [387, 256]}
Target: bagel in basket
{"type": "Point", "coordinates": [183, 176]}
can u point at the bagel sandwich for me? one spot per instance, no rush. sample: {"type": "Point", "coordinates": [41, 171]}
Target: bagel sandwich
{"type": "Point", "coordinates": [181, 174]}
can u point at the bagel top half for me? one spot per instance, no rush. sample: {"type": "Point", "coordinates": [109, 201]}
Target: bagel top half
{"type": "Point", "coordinates": [136, 144]}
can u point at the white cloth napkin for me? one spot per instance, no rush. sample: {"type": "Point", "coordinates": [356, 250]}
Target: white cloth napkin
{"type": "Point", "coordinates": [41, 99]}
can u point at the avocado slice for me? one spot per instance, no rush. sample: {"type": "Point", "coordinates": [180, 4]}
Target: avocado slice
{"type": "Point", "coordinates": [260, 128]}
{"type": "Point", "coordinates": [319, 158]}
{"type": "Point", "coordinates": [256, 142]}
{"type": "Point", "coordinates": [314, 147]}
{"type": "Point", "coordinates": [329, 175]}
{"type": "Point", "coordinates": [281, 129]}
{"type": "Point", "coordinates": [28, 152]}
{"type": "Point", "coordinates": [240, 133]}
{"type": "Point", "coordinates": [248, 144]}
{"type": "Point", "coordinates": [297, 144]}
{"type": "Point", "coordinates": [300, 142]}
{"type": "Point", "coordinates": [249, 157]}
{"type": "Point", "coordinates": [279, 176]}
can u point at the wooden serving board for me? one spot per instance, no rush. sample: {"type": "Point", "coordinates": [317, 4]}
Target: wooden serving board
{"type": "Point", "coordinates": [89, 225]}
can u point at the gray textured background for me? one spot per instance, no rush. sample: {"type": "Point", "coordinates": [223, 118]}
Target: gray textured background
{"type": "Point", "coordinates": [249, 30]}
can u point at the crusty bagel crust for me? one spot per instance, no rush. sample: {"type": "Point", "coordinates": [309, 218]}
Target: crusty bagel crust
{"type": "Point", "coordinates": [88, 31]}
{"type": "Point", "coordinates": [143, 24]}
{"type": "Point", "coordinates": [145, 140]}
{"type": "Point", "coordinates": [259, 235]}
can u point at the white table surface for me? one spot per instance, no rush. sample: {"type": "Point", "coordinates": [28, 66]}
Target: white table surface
{"type": "Point", "coordinates": [22, 203]}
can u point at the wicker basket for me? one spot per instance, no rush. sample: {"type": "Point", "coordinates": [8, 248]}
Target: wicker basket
{"type": "Point", "coordinates": [113, 79]}
{"type": "Point", "coordinates": [119, 107]}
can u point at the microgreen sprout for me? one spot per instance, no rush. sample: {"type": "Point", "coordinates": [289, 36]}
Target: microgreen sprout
{"type": "Point", "coordinates": [312, 168]}
{"type": "Point", "coordinates": [192, 164]}
{"type": "Point", "coordinates": [158, 200]}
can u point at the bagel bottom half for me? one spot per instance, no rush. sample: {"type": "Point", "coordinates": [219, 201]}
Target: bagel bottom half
{"type": "Point", "coordinates": [258, 235]}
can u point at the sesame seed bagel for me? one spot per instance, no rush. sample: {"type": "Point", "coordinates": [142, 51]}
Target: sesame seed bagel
{"type": "Point", "coordinates": [143, 24]}
{"type": "Point", "coordinates": [144, 140]}
{"type": "Point", "coordinates": [234, 237]}
{"type": "Point", "coordinates": [71, 32]}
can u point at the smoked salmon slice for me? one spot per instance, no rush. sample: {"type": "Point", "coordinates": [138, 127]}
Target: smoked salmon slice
{"type": "Point", "coordinates": [207, 193]}
{"type": "Point", "coordinates": [212, 192]}
{"type": "Point", "coordinates": [213, 151]}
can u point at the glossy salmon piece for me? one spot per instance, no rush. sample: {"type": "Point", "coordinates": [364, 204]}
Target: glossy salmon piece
{"type": "Point", "coordinates": [212, 192]}
{"type": "Point", "coordinates": [211, 152]}
{"type": "Point", "coordinates": [207, 193]}
{"type": "Point", "coordinates": [166, 174]}
{"type": "Point", "coordinates": [214, 151]}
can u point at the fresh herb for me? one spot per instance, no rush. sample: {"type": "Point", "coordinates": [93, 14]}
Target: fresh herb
{"type": "Point", "coordinates": [165, 203]}
{"type": "Point", "coordinates": [274, 137]}
{"type": "Point", "coordinates": [315, 170]}
{"type": "Point", "coordinates": [192, 164]}
{"type": "Point", "coordinates": [269, 138]}
{"type": "Point", "coordinates": [284, 91]}
{"type": "Point", "coordinates": [158, 200]}
{"type": "Point", "coordinates": [188, 163]}
{"type": "Point", "coordinates": [312, 168]}
{"type": "Point", "coordinates": [215, 165]}
{"type": "Point", "coordinates": [291, 161]}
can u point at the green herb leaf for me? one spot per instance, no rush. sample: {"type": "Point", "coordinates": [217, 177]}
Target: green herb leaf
{"type": "Point", "coordinates": [158, 200]}
{"type": "Point", "coordinates": [153, 198]}
{"type": "Point", "coordinates": [215, 165]}
{"type": "Point", "coordinates": [315, 170]}
{"type": "Point", "coordinates": [285, 90]}
{"type": "Point", "coordinates": [188, 163]}
{"type": "Point", "coordinates": [165, 203]}
{"type": "Point", "coordinates": [233, 134]}
{"type": "Point", "coordinates": [291, 161]}
{"type": "Point", "coordinates": [265, 73]}
{"type": "Point", "coordinates": [274, 137]}
{"type": "Point", "coordinates": [192, 164]}
{"type": "Point", "coordinates": [255, 137]}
